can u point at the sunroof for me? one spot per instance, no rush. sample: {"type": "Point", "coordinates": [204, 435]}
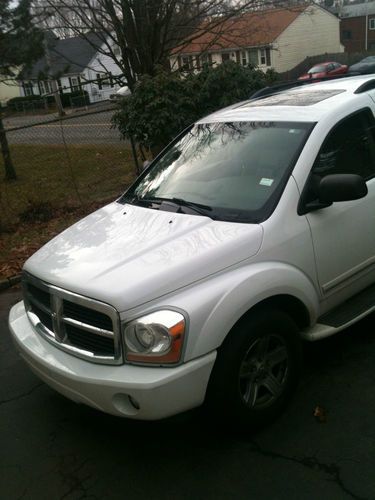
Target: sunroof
{"type": "Point", "coordinates": [296, 98]}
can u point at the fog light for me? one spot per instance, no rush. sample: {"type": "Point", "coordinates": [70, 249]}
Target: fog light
{"type": "Point", "coordinates": [134, 403]}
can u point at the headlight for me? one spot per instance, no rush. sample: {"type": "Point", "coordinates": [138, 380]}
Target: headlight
{"type": "Point", "coordinates": [155, 338]}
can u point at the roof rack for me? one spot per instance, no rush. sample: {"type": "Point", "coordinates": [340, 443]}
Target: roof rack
{"type": "Point", "coordinates": [279, 87]}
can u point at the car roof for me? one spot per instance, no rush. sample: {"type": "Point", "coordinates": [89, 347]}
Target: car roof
{"type": "Point", "coordinates": [322, 64]}
{"type": "Point", "coordinates": [303, 103]}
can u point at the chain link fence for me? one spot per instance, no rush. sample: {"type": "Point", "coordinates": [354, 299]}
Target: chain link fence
{"type": "Point", "coordinates": [64, 162]}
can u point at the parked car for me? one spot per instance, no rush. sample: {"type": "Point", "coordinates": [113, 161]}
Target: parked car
{"type": "Point", "coordinates": [365, 66]}
{"type": "Point", "coordinates": [120, 94]}
{"type": "Point", "coordinates": [252, 231]}
{"type": "Point", "coordinates": [325, 69]}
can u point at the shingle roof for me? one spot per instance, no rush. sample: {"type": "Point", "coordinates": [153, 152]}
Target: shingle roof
{"type": "Point", "coordinates": [68, 56]}
{"type": "Point", "coordinates": [251, 29]}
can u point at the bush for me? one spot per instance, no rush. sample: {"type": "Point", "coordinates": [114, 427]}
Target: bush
{"type": "Point", "coordinates": [19, 103]}
{"type": "Point", "coordinates": [78, 98]}
{"type": "Point", "coordinates": [162, 106]}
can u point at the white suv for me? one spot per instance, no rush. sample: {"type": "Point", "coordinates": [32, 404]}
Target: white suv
{"type": "Point", "coordinates": [253, 230]}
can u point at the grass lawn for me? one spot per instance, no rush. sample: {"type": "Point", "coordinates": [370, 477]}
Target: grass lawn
{"type": "Point", "coordinates": [55, 187]}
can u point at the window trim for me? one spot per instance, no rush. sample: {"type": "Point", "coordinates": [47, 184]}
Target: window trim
{"type": "Point", "coordinates": [302, 208]}
{"type": "Point", "coordinates": [371, 23]}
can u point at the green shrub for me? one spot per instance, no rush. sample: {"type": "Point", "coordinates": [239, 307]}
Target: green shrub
{"type": "Point", "coordinates": [162, 106]}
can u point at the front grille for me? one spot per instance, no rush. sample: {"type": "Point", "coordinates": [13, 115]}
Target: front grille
{"type": "Point", "coordinates": [101, 345]}
{"type": "Point", "coordinates": [88, 316]}
{"type": "Point", "coordinates": [85, 327]}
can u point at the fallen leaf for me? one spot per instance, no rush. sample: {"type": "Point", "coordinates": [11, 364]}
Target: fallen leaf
{"type": "Point", "coordinates": [320, 414]}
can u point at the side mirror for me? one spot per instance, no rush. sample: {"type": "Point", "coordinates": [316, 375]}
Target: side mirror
{"type": "Point", "coordinates": [146, 163]}
{"type": "Point", "coordinates": [341, 187]}
{"type": "Point", "coordinates": [332, 188]}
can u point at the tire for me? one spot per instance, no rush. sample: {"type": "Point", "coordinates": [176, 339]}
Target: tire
{"type": "Point", "coordinates": [256, 371]}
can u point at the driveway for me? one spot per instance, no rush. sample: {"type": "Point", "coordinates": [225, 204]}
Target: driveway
{"type": "Point", "coordinates": [52, 448]}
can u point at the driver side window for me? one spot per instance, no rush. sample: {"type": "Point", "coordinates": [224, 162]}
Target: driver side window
{"type": "Point", "coordinates": [349, 148]}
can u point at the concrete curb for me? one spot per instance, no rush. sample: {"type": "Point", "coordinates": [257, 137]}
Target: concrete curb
{"type": "Point", "coordinates": [8, 282]}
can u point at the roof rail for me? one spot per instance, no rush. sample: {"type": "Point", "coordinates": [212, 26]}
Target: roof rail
{"type": "Point", "coordinates": [279, 87]}
{"type": "Point", "coordinates": [369, 85]}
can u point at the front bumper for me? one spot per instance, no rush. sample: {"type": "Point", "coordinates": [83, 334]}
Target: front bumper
{"type": "Point", "coordinates": [146, 393]}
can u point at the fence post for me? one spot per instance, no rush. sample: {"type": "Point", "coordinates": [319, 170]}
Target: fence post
{"type": "Point", "coordinates": [135, 155]}
{"type": "Point", "coordinates": [10, 173]}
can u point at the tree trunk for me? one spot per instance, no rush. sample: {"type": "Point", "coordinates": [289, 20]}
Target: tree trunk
{"type": "Point", "coordinates": [10, 173]}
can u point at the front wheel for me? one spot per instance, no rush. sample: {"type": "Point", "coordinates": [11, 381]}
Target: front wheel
{"type": "Point", "coordinates": [257, 369]}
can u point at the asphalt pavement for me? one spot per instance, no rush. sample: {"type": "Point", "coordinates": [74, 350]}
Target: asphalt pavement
{"type": "Point", "coordinates": [91, 126]}
{"type": "Point", "coordinates": [52, 448]}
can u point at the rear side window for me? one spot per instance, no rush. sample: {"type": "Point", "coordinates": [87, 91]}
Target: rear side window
{"type": "Point", "coordinates": [349, 148]}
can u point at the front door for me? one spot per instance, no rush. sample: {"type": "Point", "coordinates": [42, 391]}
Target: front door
{"type": "Point", "coordinates": [344, 233]}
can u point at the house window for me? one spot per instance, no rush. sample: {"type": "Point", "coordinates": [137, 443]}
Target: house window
{"type": "Point", "coordinates": [104, 80]}
{"type": "Point", "coordinates": [28, 88]}
{"type": "Point", "coordinates": [205, 59]}
{"type": "Point", "coordinates": [253, 57]}
{"type": "Point", "coordinates": [187, 63]}
{"type": "Point", "coordinates": [45, 87]}
{"type": "Point", "coordinates": [346, 35]}
{"type": "Point", "coordinates": [265, 57]}
{"type": "Point", "coordinates": [371, 24]}
{"type": "Point", "coordinates": [74, 83]}
{"type": "Point", "coordinates": [243, 58]}
{"type": "Point", "coordinates": [225, 57]}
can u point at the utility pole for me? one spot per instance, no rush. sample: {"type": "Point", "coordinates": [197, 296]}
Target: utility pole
{"type": "Point", "coordinates": [55, 90]}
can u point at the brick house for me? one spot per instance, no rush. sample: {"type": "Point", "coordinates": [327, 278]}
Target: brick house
{"type": "Point", "coordinates": [357, 26]}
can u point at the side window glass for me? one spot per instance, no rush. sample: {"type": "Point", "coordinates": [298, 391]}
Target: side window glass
{"type": "Point", "coordinates": [349, 148]}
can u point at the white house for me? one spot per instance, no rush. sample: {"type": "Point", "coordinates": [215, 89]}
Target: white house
{"type": "Point", "coordinates": [75, 64]}
{"type": "Point", "coordinates": [8, 88]}
{"type": "Point", "coordinates": [278, 38]}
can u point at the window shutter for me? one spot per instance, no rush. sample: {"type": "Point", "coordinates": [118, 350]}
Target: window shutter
{"type": "Point", "coordinates": [99, 81]}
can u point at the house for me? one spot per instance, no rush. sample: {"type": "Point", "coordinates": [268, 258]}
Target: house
{"type": "Point", "coordinates": [75, 64]}
{"type": "Point", "coordinates": [357, 26]}
{"type": "Point", "coordinates": [9, 88]}
{"type": "Point", "coordinates": [278, 38]}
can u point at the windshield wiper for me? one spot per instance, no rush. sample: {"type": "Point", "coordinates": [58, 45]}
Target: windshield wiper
{"type": "Point", "coordinates": [199, 208]}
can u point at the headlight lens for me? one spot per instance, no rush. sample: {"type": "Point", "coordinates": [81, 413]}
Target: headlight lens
{"type": "Point", "coordinates": [155, 338]}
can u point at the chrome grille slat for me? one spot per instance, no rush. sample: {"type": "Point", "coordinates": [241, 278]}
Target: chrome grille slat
{"type": "Point", "coordinates": [38, 304]}
{"type": "Point", "coordinates": [79, 325]}
{"type": "Point", "coordinates": [87, 328]}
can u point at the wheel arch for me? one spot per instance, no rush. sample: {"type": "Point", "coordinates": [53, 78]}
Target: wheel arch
{"type": "Point", "coordinates": [286, 303]}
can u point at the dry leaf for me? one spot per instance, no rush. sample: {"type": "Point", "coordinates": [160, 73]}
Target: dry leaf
{"type": "Point", "coordinates": [320, 414]}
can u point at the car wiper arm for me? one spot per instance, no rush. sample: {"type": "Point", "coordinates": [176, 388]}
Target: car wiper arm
{"type": "Point", "coordinates": [199, 208]}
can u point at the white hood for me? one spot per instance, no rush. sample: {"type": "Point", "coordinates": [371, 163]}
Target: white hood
{"type": "Point", "coordinates": [127, 255]}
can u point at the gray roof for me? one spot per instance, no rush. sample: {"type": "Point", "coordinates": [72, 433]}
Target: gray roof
{"type": "Point", "coordinates": [355, 9]}
{"type": "Point", "coordinates": [69, 56]}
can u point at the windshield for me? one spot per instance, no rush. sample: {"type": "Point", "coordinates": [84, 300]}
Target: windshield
{"type": "Point", "coordinates": [318, 69]}
{"type": "Point", "coordinates": [229, 171]}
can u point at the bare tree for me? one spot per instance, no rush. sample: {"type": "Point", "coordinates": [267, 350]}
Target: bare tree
{"type": "Point", "coordinates": [20, 44]}
{"type": "Point", "coordinates": [137, 35]}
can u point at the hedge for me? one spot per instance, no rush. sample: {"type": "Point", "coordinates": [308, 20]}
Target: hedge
{"type": "Point", "coordinates": [80, 98]}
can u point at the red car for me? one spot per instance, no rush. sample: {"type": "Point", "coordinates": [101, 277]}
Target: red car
{"type": "Point", "coordinates": [325, 69]}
